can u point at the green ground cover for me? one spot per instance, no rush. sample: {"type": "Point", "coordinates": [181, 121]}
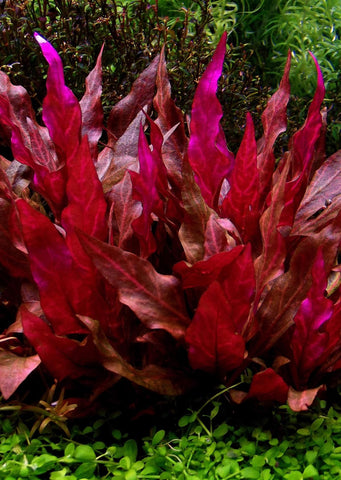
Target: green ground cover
{"type": "Point", "coordinates": [211, 442]}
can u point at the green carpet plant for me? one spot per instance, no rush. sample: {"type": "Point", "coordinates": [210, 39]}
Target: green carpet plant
{"type": "Point", "coordinates": [207, 443]}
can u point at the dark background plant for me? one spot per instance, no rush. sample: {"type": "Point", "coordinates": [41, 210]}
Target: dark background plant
{"type": "Point", "coordinates": [134, 33]}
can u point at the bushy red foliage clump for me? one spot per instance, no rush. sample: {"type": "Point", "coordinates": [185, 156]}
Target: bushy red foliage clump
{"type": "Point", "coordinates": [163, 253]}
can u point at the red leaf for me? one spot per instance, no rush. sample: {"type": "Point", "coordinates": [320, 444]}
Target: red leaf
{"type": "Point", "coordinates": [286, 293]}
{"type": "Point", "coordinates": [169, 116]}
{"type": "Point", "coordinates": [125, 111]}
{"type": "Point", "coordinates": [214, 345]}
{"type": "Point", "coordinates": [12, 249]}
{"type": "Point", "coordinates": [125, 210]}
{"type": "Point", "coordinates": [270, 264]}
{"type": "Point", "coordinates": [207, 151]}
{"type": "Point", "coordinates": [223, 321]}
{"type": "Point", "coordinates": [309, 339]}
{"type": "Point", "coordinates": [242, 202]}
{"type": "Point", "coordinates": [197, 214]}
{"type": "Point", "coordinates": [32, 145]}
{"type": "Point", "coordinates": [62, 356]}
{"type": "Point", "coordinates": [301, 154]}
{"type": "Point", "coordinates": [91, 107]}
{"type": "Point", "coordinates": [203, 273]}
{"type": "Point", "coordinates": [156, 299]}
{"type": "Point", "coordinates": [268, 386]}
{"type": "Point", "coordinates": [274, 120]}
{"type": "Point", "coordinates": [322, 200]}
{"type": "Point", "coordinates": [64, 122]}
{"type": "Point", "coordinates": [218, 236]}
{"type": "Point", "coordinates": [165, 381]}
{"type": "Point", "coordinates": [144, 185]}
{"type": "Point", "coordinates": [53, 270]}
{"type": "Point", "coordinates": [14, 370]}
{"type": "Point", "coordinates": [86, 207]}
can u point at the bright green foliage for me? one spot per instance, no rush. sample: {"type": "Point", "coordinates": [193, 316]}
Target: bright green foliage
{"type": "Point", "coordinates": [274, 445]}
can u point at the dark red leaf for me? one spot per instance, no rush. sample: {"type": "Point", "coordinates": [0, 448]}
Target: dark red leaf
{"type": "Point", "coordinates": [12, 249]}
{"type": "Point", "coordinates": [203, 273]}
{"type": "Point", "coordinates": [218, 236]}
{"type": "Point", "coordinates": [91, 107]}
{"type": "Point", "coordinates": [224, 321]}
{"type": "Point", "coordinates": [59, 282]}
{"type": "Point", "coordinates": [322, 200]}
{"type": "Point", "coordinates": [270, 264]}
{"type": "Point", "coordinates": [274, 120]}
{"type": "Point", "coordinates": [170, 116]}
{"type": "Point", "coordinates": [165, 381]}
{"type": "Point", "coordinates": [125, 210]}
{"type": "Point", "coordinates": [86, 208]}
{"type": "Point", "coordinates": [62, 356]}
{"type": "Point", "coordinates": [156, 299]}
{"type": "Point", "coordinates": [197, 214]}
{"type": "Point", "coordinates": [302, 154]}
{"type": "Point", "coordinates": [268, 386]}
{"type": "Point", "coordinates": [309, 339]}
{"type": "Point", "coordinates": [214, 344]}
{"type": "Point", "coordinates": [141, 95]}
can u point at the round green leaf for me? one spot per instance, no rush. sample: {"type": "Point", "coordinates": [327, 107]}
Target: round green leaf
{"type": "Point", "coordinates": [84, 453]}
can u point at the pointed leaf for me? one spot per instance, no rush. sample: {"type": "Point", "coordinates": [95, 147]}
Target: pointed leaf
{"type": "Point", "coordinates": [91, 107]}
{"type": "Point", "coordinates": [64, 122]}
{"type": "Point", "coordinates": [274, 120]}
{"type": "Point", "coordinates": [125, 210]}
{"type": "Point", "coordinates": [302, 154]}
{"type": "Point", "coordinates": [207, 151]}
{"type": "Point", "coordinates": [270, 264]}
{"type": "Point", "coordinates": [197, 214]}
{"type": "Point", "coordinates": [125, 111]}
{"type": "Point", "coordinates": [169, 115]}
{"type": "Point", "coordinates": [144, 186]}
{"type": "Point", "coordinates": [156, 299]}
{"type": "Point", "coordinates": [242, 202]}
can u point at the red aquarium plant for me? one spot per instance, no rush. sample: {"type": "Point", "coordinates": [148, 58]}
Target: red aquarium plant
{"type": "Point", "coordinates": [163, 254]}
